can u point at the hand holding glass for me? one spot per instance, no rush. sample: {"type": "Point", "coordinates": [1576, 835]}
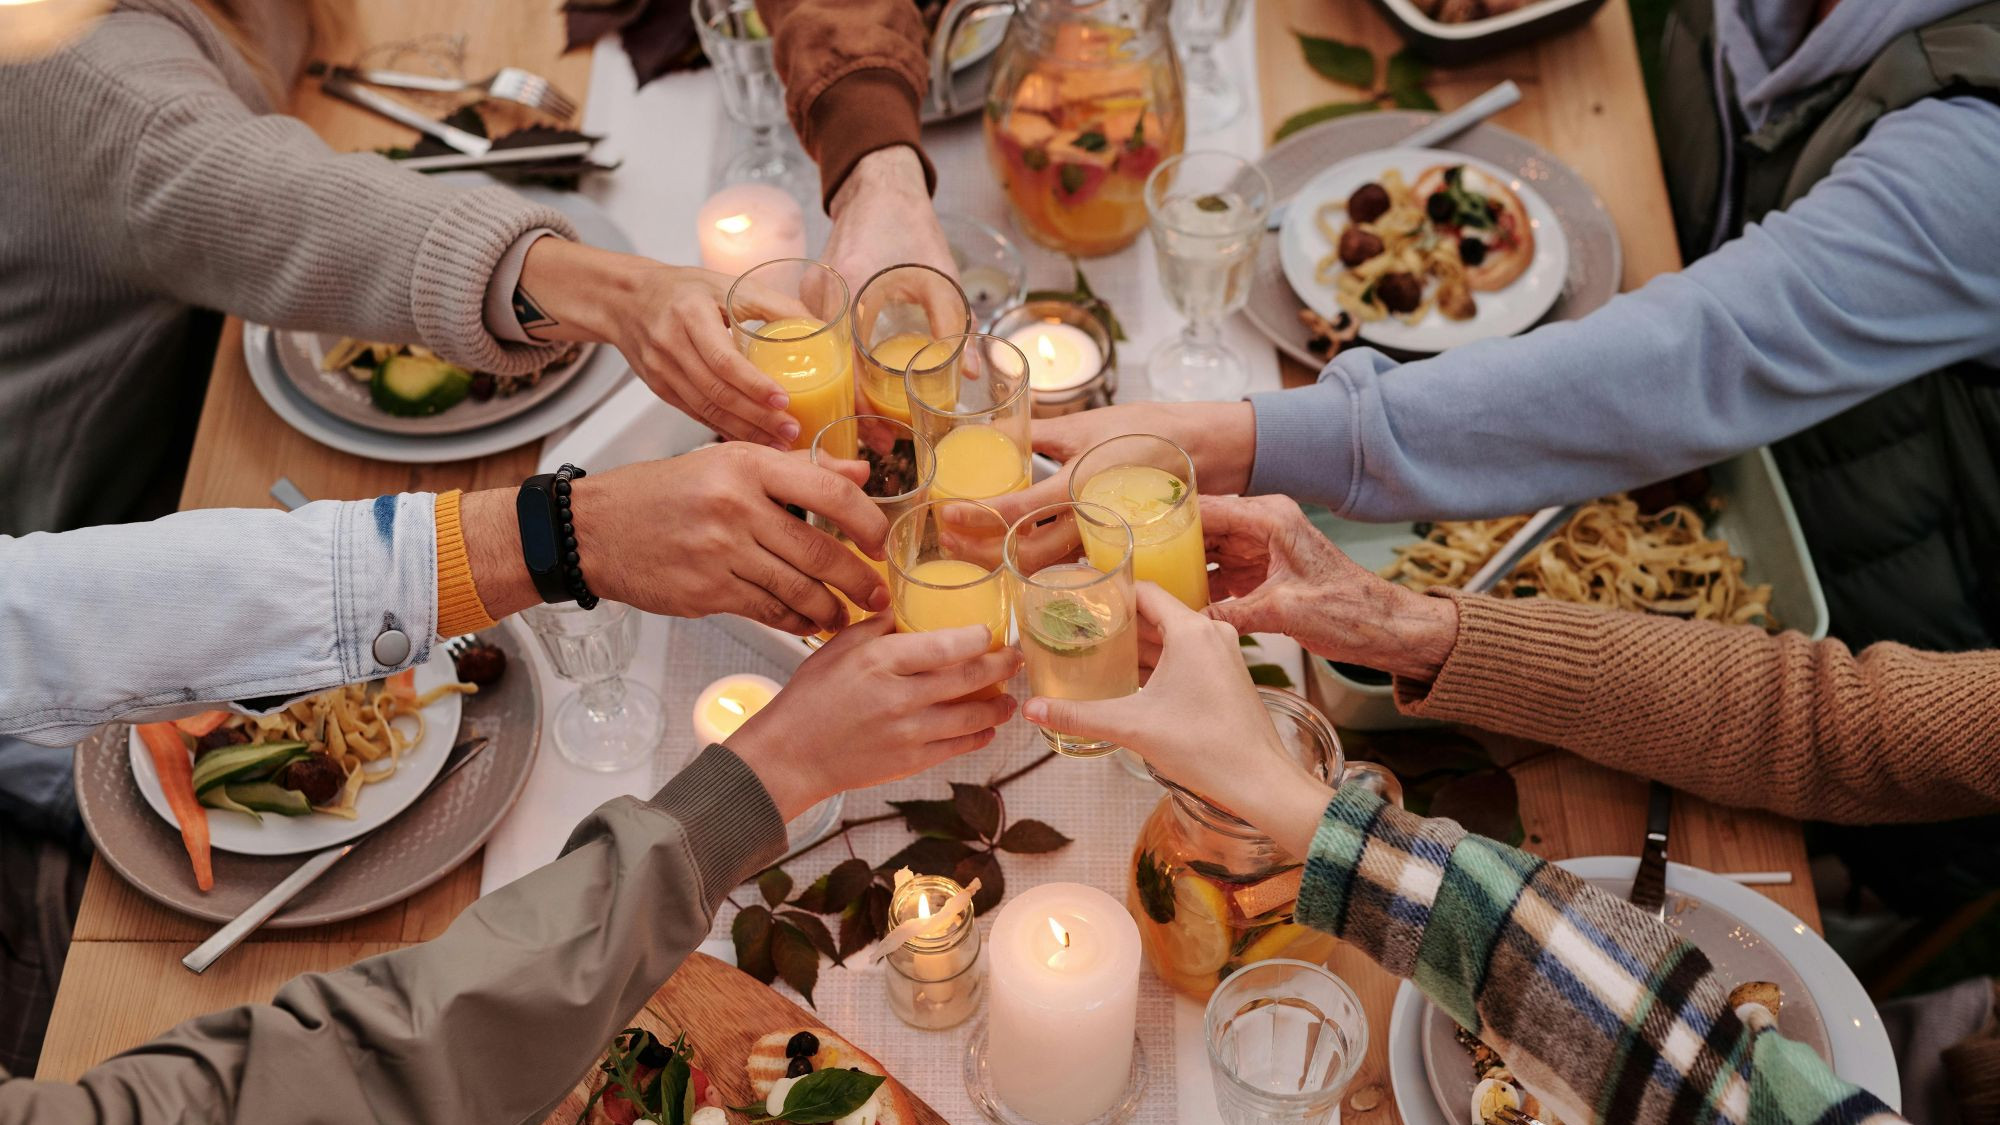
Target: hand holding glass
{"type": "Point", "coordinates": [811, 357]}
{"type": "Point", "coordinates": [1070, 569]}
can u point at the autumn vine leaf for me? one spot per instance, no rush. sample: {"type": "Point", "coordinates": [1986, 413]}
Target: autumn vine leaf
{"type": "Point", "coordinates": [1344, 63]}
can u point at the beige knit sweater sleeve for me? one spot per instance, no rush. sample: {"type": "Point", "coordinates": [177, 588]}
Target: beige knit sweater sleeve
{"type": "Point", "coordinates": [1729, 712]}
{"type": "Point", "coordinates": [168, 181]}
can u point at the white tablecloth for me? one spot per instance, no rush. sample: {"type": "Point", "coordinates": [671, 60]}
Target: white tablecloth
{"type": "Point", "coordinates": [654, 196]}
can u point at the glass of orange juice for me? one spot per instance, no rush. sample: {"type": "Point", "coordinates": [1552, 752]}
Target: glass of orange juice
{"type": "Point", "coordinates": [946, 570]}
{"type": "Point", "coordinates": [1148, 480]}
{"type": "Point", "coordinates": [896, 313]}
{"type": "Point", "coordinates": [809, 355]}
{"type": "Point", "coordinates": [900, 466]}
{"type": "Point", "coordinates": [968, 395]}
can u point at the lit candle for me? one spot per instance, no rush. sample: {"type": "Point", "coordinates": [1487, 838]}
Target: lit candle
{"type": "Point", "coordinates": [728, 703]}
{"type": "Point", "coordinates": [744, 224]}
{"type": "Point", "coordinates": [1060, 356]}
{"type": "Point", "coordinates": [1065, 1003]}
{"type": "Point", "coordinates": [934, 978]}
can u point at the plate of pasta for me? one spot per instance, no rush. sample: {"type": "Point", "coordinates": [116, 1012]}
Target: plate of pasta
{"type": "Point", "coordinates": [1426, 249]}
{"type": "Point", "coordinates": [321, 771]}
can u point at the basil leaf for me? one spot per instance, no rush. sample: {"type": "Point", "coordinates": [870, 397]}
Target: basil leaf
{"type": "Point", "coordinates": [825, 1096]}
{"type": "Point", "coordinates": [1343, 62]}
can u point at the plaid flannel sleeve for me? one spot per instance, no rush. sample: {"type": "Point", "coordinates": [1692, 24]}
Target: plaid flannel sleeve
{"type": "Point", "coordinates": [1595, 1005]}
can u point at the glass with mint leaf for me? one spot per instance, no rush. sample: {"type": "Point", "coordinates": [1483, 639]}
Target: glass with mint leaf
{"type": "Point", "coordinates": [1074, 609]}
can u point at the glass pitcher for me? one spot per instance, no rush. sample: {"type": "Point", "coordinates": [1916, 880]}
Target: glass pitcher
{"type": "Point", "coordinates": [1084, 101]}
{"type": "Point", "coordinates": [1211, 894]}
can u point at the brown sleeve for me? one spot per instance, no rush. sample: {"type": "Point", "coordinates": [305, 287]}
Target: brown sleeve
{"type": "Point", "coordinates": [855, 72]}
{"type": "Point", "coordinates": [1729, 712]}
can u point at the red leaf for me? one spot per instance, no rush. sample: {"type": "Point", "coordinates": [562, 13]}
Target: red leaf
{"type": "Point", "coordinates": [751, 931]}
{"type": "Point", "coordinates": [845, 883]}
{"type": "Point", "coordinates": [928, 856]}
{"type": "Point", "coordinates": [774, 884]}
{"type": "Point", "coordinates": [797, 961]}
{"type": "Point", "coordinates": [980, 806]}
{"type": "Point", "coordinates": [985, 867]}
{"type": "Point", "coordinates": [815, 931]}
{"type": "Point", "coordinates": [941, 819]}
{"type": "Point", "coordinates": [1032, 837]}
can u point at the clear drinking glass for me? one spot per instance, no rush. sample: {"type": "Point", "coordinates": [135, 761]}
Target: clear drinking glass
{"type": "Point", "coordinates": [946, 570]}
{"type": "Point", "coordinates": [900, 466]}
{"type": "Point", "coordinates": [968, 395]}
{"type": "Point", "coordinates": [611, 723]}
{"type": "Point", "coordinates": [899, 311]}
{"type": "Point", "coordinates": [810, 357]}
{"type": "Point", "coordinates": [1284, 1039]}
{"type": "Point", "coordinates": [1069, 567]}
{"type": "Point", "coordinates": [990, 269]}
{"type": "Point", "coordinates": [738, 46]}
{"type": "Point", "coordinates": [1207, 211]}
{"type": "Point", "coordinates": [1149, 480]}
{"type": "Point", "coordinates": [1214, 99]}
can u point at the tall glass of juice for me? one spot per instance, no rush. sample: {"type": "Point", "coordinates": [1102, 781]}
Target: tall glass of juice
{"type": "Point", "coordinates": [1149, 480]}
{"type": "Point", "coordinates": [1074, 609]}
{"type": "Point", "coordinates": [946, 569]}
{"type": "Point", "coordinates": [969, 395]}
{"type": "Point", "coordinates": [810, 355]}
{"type": "Point", "coordinates": [896, 313]}
{"type": "Point", "coordinates": [900, 466]}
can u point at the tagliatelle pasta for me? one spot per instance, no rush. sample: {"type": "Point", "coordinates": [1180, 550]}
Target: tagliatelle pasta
{"type": "Point", "coordinates": [356, 726]}
{"type": "Point", "coordinates": [1410, 245]}
{"type": "Point", "coordinates": [1609, 554]}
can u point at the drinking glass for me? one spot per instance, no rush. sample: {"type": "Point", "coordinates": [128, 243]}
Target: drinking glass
{"type": "Point", "coordinates": [1149, 480]}
{"type": "Point", "coordinates": [968, 396]}
{"type": "Point", "coordinates": [611, 723]}
{"type": "Point", "coordinates": [990, 269]}
{"type": "Point", "coordinates": [945, 570]}
{"type": "Point", "coordinates": [900, 466]}
{"type": "Point", "coordinates": [1207, 211]}
{"type": "Point", "coordinates": [1213, 98]}
{"type": "Point", "coordinates": [1069, 567]}
{"type": "Point", "coordinates": [899, 311]}
{"type": "Point", "coordinates": [1284, 1039]}
{"type": "Point", "coordinates": [738, 46]}
{"type": "Point", "coordinates": [810, 357]}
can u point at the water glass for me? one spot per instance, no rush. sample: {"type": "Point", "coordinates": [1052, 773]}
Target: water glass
{"type": "Point", "coordinates": [810, 357]}
{"type": "Point", "coordinates": [1214, 99]}
{"type": "Point", "coordinates": [969, 397]}
{"type": "Point", "coordinates": [611, 723]}
{"type": "Point", "coordinates": [739, 48]}
{"type": "Point", "coordinates": [1069, 570]}
{"type": "Point", "coordinates": [900, 466]}
{"type": "Point", "coordinates": [990, 269]}
{"type": "Point", "coordinates": [1207, 211]}
{"type": "Point", "coordinates": [897, 312]}
{"type": "Point", "coordinates": [1284, 1038]}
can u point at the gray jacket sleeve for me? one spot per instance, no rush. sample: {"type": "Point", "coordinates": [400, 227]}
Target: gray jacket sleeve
{"type": "Point", "coordinates": [493, 1021]}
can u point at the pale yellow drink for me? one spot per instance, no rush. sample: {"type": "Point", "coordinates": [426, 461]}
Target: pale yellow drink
{"type": "Point", "coordinates": [817, 371]}
{"type": "Point", "coordinates": [978, 463]}
{"type": "Point", "coordinates": [884, 390]}
{"type": "Point", "coordinates": [921, 607]}
{"type": "Point", "coordinates": [1166, 529]}
{"type": "Point", "coordinates": [1078, 646]}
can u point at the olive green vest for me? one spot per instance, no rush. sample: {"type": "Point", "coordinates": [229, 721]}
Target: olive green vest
{"type": "Point", "coordinates": [1899, 496]}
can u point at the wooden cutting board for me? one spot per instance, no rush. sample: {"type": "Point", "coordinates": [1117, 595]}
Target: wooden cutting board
{"type": "Point", "coordinates": [723, 1011]}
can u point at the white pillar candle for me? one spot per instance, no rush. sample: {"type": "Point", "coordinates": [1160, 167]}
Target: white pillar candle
{"type": "Point", "coordinates": [728, 703]}
{"type": "Point", "coordinates": [1060, 356]}
{"type": "Point", "coordinates": [1063, 978]}
{"type": "Point", "coordinates": [746, 224]}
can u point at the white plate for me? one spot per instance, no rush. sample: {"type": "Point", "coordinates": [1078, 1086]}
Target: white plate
{"type": "Point", "coordinates": [1770, 940]}
{"type": "Point", "coordinates": [1503, 313]}
{"type": "Point", "coordinates": [378, 804]}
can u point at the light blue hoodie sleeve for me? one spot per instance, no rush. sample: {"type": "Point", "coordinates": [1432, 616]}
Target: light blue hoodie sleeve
{"type": "Point", "coordinates": [1888, 269]}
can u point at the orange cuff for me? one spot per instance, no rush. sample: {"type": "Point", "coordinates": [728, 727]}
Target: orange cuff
{"type": "Point", "coordinates": [459, 608]}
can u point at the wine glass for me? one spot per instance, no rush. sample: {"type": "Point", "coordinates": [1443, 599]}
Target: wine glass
{"type": "Point", "coordinates": [1207, 211]}
{"type": "Point", "coordinates": [737, 44]}
{"type": "Point", "coordinates": [611, 723]}
{"type": "Point", "coordinates": [1214, 99]}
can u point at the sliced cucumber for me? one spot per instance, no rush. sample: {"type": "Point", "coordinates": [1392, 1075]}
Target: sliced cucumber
{"type": "Point", "coordinates": [244, 763]}
{"type": "Point", "coordinates": [268, 796]}
{"type": "Point", "coordinates": [413, 386]}
{"type": "Point", "coordinates": [219, 798]}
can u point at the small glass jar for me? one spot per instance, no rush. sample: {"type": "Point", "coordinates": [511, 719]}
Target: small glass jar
{"type": "Point", "coordinates": [933, 982]}
{"type": "Point", "coordinates": [1093, 386]}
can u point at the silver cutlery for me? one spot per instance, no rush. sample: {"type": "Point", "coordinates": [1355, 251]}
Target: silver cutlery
{"type": "Point", "coordinates": [1649, 886]}
{"type": "Point", "coordinates": [341, 86]}
{"type": "Point", "coordinates": [500, 157]}
{"type": "Point", "coordinates": [1444, 127]}
{"type": "Point", "coordinates": [1508, 1115]}
{"type": "Point", "coordinates": [288, 494]}
{"type": "Point", "coordinates": [257, 913]}
{"type": "Point", "coordinates": [508, 84]}
{"type": "Point", "coordinates": [1540, 526]}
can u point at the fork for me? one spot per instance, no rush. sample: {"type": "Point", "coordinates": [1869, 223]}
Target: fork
{"type": "Point", "coordinates": [1508, 1115]}
{"type": "Point", "coordinates": [508, 84]}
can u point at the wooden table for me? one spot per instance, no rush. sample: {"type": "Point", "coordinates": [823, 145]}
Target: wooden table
{"type": "Point", "coordinates": [1583, 99]}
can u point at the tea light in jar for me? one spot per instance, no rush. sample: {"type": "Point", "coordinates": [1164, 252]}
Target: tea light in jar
{"type": "Point", "coordinates": [745, 224]}
{"type": "Point", "coordinates": [728, 703]}
{"type": "Point", "coordinates": [1064, 1003]}
{"type": "Point", "coordinates": [1060, 356]}
{"type": "Point", "coordinates": [935, 977]}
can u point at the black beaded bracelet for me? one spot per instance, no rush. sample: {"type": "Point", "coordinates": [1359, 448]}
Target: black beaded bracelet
{"type": "Point", "coordinates": [572, 561]}
{"type": "Point", "coordinates": [548, 537]}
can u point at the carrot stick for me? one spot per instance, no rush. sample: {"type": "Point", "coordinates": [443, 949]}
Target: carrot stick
{"type": "Point", "coordinates": [194, 726]}
{"type": "Point", "coordinates": [176, 770]}
{"type": "Point", "coordinates": [403, 686]}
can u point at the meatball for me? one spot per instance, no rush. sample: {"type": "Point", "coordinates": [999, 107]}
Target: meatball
{"type": "Point", "coordinates": [481, 663]}
{"type": "Point", "coordinates": [1400, 292]}
{"type": "Point", "coordinates": [1357, 246]}
{"type": "Point", "coordinates": [219, 738]}
{"type": "Point", "coordinates": [1471, 251]}
{"type": "Point", "coordinates": [1367, 203]}
{"type": "Point", "coordinates": [317, 776]}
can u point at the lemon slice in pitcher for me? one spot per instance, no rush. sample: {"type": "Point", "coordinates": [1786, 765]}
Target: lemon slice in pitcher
{"type": "Point", "coordinates": [1196, 942]}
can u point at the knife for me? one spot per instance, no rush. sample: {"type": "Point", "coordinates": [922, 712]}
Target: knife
{"type": "Point", "coordinates": [526, 154]}
{"type": "Point", "coordinates": [1649, 886]}
{"type": "Point", "coordinates": [243, 925]}
{"type": "Point", "coordinates": [1540, 526]}
{"type": "Point", "coordinates": [340, 86]}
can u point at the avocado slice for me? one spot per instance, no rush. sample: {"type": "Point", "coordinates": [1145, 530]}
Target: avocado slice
{"type": "Point", "coordinates": [244, 763]}
{"type": "Point", "coordinates": [268, 796]}
{"type": "Point", "coordinates": [411, 386]}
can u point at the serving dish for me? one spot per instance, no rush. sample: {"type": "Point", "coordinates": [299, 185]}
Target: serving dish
{"type": "Point", "coordinates": [1450, 43]}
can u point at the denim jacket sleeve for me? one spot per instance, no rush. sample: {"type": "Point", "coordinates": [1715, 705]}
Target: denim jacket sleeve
{"type": "Point", "coordinates": [149, 621]}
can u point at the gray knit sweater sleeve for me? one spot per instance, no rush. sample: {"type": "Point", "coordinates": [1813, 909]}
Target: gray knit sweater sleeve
{"type": "Point", "coordinates": [186, 190]}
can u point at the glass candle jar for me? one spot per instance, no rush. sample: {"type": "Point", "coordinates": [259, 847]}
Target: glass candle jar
{"type": "Point", "coordinates": [934, 980]}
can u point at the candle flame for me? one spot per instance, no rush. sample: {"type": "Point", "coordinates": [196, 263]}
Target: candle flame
{"type": "Point", "coordinates": [1047, 349]}
{"type": "Point", "coordinates": [733, 224]}
{"type": "Point", "coordinates": [1062, 935]}
{"type": "Point", "coordinates": [732, 706]}
{"type": "Point", "coordinates": [924, 906]}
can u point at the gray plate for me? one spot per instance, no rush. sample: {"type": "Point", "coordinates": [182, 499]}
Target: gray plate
{"type": "Point", "coordinates": [1595, 260]}
{"type": "Point", "coordinates": [424, 844]}
{"type": "Point", "coordinates": [344, 397]}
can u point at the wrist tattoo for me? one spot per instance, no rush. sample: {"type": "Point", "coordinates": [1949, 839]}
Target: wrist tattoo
{"type": "Point", "coordinates": [528, 312]}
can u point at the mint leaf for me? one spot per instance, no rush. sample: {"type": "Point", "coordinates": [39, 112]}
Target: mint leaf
{"type": "Point", "coordinates": [826, 1096]}
{"type": "Point", "coordinates": [1178, 490]}
{"type": "Point", "coordinates": [1270, 675]}
{"type": "Point", "coordinates": [1071, 177]}
{"type": "Point", "coordinates": [1211, 203]}
{"type": "Point", "coordinates": [1343, 62]}
{"type": "Point", "coordinates": [1156, 888]}
{"type": "Point", "coordinates": [1307, 118]}
{"type": "Point", "coordinates": [1036, 159]}
{"type": "Point", "coordinates": [1065, 621]}
{"type": "Point", "coordinates": [1091, 141]}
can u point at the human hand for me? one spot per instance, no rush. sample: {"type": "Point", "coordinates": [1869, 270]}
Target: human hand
{"type": "Point", "coordinates": [1199, 722]}
{"type": "Point", "coordinates": [1220, 437]}
{"type": "Point", "coordinates": [703, 533]}
{"type": "Point", "coordinates": [882, 216]}
{"type": "Point", "coordinates": [668, 323]}
{"type": "Point", "coordinates": [873, 705]}
{"type": "Point", "coordinates": [1282, 576]}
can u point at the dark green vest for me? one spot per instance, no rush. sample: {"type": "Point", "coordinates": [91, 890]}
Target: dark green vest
{"type": "Point", "coordinates": [1899, 496]}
